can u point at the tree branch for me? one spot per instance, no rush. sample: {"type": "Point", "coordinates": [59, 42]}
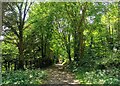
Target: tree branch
{"type": "Point", "coordinates": [26, 11]}
{"type": "Point", "coordinates": [29, 24]}
{"type": "Point", "coordinates": [12, 29]}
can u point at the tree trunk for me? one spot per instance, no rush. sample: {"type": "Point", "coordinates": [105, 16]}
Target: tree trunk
{"type": "Point", "coordinates": [20, 43]}
{"type": "Point", "coordinates": [42, 46]}
{"type": "Point", "coordinates": [118, 37]}
{"type": "Point", "coordinates": [45, 46]}
{"type": "Point", "coordinates": [69, 52]}
{"type": "Point", "coordinates": [75, 47]}
{"type": "Point", "coordinates": [90, 46]}
{"type": "Point", "coordinates": [20, 48]}
{"type": "Point", "coordinates": [80, 32]}
{"type": "Point", "coordinates": [81, 45]}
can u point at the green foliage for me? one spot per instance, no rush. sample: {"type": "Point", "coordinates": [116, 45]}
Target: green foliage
{"type": "Point", "coordinates": [96, 76]}
{"type": "Point", "coordinates": [9, 51]}
{"type": "Point", "coordinates": [86, 34]}
{"type": "Point", "coordinates": [24, 77]}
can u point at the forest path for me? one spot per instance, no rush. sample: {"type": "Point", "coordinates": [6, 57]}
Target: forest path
{"type": "Point", "coordinates": [57, 75]}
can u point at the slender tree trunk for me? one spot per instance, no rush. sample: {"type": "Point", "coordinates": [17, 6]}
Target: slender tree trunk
{"type": "Point", "coordinates": [45, 47]}
{"type": "Point", "coordinates": [81, 45]}
{"type": "Point", "coordinates": [69, 51]}
{"type": "Point", "coordinates": [42, 52]}
{"type": "Point", "coordinates": [118, 37]}
{"type": "Point", "coordinates": [81, 30]}
{"type": "Point", "coordinates": [76, 48]}
{"type": "Point", "coordinates": [74, 42]}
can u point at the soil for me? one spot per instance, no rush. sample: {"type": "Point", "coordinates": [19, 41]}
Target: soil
{"type": "Point", "coordinates": [58, 75]}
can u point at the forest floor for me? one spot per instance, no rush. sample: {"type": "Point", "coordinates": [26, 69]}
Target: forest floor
{"type": "Point", "coordinates": [58, 75]}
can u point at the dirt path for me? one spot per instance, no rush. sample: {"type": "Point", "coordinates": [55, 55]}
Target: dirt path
{"type": "Point", "coordinates": [57, 75]}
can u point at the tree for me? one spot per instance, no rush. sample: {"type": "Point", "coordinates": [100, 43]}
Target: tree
{"type": "Point", "coordinates": [14, 19]}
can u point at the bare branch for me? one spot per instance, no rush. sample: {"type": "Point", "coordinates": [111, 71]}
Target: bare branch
{"type": "Point", "coordinates": [26, 11]}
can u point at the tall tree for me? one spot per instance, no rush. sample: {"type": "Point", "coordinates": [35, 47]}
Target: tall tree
{"type": "Point", "coordinates": [14, 19]}
{"type": "Point", "coordinates": [77, 15]}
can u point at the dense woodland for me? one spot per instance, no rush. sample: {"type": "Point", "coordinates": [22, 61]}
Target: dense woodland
{"type": "Point", "coordinates": [83, 36]}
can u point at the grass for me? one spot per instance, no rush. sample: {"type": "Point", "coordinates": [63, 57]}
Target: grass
{"type": "Point", "coordinates": [24, 77]}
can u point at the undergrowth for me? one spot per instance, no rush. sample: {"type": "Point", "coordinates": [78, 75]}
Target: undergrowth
{"type": "Point", "coordinates": [24, 77]}
{"type": "Point", "coordinates": [87, 75]}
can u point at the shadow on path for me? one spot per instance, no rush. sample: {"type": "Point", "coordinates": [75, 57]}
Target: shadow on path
{"type": "Point", "coordinates": [57, 75]}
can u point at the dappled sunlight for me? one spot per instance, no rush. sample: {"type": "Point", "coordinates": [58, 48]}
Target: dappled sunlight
{"type": "Point", "coordinates": [60, 43]}
{"type": "Point", "coordinates": [58, 76]}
